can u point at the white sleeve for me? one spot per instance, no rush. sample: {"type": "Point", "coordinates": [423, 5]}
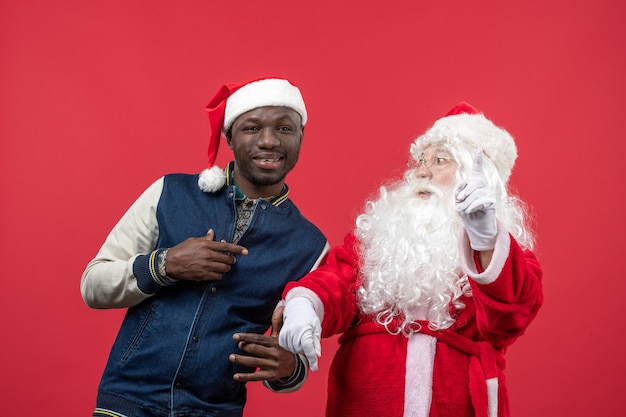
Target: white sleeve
{"type": "Point", "coordinates": [108, 280]}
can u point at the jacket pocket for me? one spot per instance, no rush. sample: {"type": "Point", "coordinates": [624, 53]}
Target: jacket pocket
{"type": "Point", "coordinates": [136, 333]}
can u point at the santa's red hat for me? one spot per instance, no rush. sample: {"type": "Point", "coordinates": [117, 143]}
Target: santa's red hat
{"type": "Point", "coordinates": [461, 108]}
{"type": "Point", "coordinates": [465, 126]}
{"type": "Point", "coordinates": [230, 102]}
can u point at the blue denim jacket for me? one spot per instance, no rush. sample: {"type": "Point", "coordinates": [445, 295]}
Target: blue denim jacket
{"type": "Point", "coordinates": [170, 357]}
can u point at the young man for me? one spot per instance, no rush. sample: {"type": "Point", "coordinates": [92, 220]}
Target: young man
{"type": "Point", "coordinates": [436, 281]}
{"type": "Point", "coordinates": [198, 258]}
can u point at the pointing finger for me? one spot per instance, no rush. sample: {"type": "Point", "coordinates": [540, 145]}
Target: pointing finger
{"type": "Point", "coordinates": [477, 168]}
{"type": "Point", "coordinates": [223, 246]}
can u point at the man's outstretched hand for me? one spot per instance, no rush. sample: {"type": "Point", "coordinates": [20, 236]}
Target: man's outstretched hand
{"type": "Point", "coordinates": [264, 353]}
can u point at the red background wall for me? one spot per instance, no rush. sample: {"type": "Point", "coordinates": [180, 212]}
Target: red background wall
{"type": "Point", "coordinates": [99, 98]}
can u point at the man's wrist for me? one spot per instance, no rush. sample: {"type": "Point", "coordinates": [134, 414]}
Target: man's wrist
{"type": "Point", "coordinates": [292, 382]}
{"type": "Point", "coordinates": [159, 268]}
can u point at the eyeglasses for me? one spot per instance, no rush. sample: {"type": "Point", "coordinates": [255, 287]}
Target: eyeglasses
{"type": "Point", "coordinates": [430, 159]}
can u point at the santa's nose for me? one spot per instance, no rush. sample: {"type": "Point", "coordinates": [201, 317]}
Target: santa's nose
{"type": "Point", "coordinates": [423, 171]}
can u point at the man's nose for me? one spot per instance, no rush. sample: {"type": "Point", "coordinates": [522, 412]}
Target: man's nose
{"type": "Point", "coordinates": [268, 138]}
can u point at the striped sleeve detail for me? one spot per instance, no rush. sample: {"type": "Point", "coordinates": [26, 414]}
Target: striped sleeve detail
{"type": "Point", "coordinates": [101, 412]}
{"type": "Point", "coordinates": [151, 277]}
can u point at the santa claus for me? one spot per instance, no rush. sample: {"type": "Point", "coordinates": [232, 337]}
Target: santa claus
{"type": "Point", "coordinates": [437, 279]}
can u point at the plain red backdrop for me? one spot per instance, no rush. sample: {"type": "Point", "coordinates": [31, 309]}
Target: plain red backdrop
{"type": "Point", "coordinates": [100, 98]}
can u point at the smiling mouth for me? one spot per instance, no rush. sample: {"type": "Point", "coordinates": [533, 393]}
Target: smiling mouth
{"type": "Point", "coordinates": [268, 162]}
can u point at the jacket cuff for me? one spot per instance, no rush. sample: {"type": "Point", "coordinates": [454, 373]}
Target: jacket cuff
{"type": "Point", "coordinates": [146, 270]}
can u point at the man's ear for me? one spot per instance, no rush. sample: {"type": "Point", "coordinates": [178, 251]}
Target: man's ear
{"type": "Point", "coordinates": [229, 136]}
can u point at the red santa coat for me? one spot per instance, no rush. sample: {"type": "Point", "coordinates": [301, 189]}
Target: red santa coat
{"type": "Point", "coordinates": [456, 372]}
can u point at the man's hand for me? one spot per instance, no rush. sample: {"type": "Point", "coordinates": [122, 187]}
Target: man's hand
{"type": "Point", "coordinates": [202, 258]}
{"type": "Point", "coordinates": [272, 361]}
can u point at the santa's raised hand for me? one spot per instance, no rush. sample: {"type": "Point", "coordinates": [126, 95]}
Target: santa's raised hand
{"type": "Point", "coordinates": [301, 331]}
{"type": "Point", "coordinates": [475, 202]}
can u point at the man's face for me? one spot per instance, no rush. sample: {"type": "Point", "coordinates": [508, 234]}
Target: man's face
{"type": "Point", "coordinates": [266, 144]}
{"type": "Point", "coordinates": [435, 165]}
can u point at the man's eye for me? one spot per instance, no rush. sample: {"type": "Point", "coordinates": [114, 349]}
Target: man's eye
{"type": "Point", "coordinates": [250, 128]}
{"type": "Point", "coordinates": [440, 160]}
{"type": "Point", "coordinates": [285, 128]}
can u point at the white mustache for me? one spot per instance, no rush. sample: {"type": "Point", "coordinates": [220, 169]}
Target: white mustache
{"type": "Point", "coordinates": [421, 186]}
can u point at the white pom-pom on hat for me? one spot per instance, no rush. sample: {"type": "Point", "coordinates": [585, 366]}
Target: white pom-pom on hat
{"type": "Point", "coordinates": [230, 102]}
{"type": "Point", "coordinates": [212, 179]}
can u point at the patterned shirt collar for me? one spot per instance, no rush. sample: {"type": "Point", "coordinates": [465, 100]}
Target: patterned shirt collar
{"type": "Point", "coordinates": [239, 195]}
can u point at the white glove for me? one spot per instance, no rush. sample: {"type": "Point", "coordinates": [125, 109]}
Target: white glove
{"type": "Point", "coordinates": [301, 331]}
{"type": "Point", "coordinates": [476, 204]}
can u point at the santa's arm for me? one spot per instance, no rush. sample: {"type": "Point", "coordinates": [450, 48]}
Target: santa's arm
{"type": "Point", "coordinates": [507, 293]}
{"type": "Point", "coordinates": [324, 296]}
{"type": "Point", "coordinates": [331, 288]}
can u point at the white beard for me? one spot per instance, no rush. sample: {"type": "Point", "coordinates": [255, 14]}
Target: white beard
{"type": "Point", "coordinates": [410, 257]}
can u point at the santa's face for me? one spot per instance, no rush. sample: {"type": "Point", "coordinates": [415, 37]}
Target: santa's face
{"type": "Point", "coordinates": [435, 165]}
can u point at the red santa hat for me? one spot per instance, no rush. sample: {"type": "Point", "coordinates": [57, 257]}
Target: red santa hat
{"type": "Point", "coordinates": [230, 102]}
{"type": "Point", "coordinates": [465, 126]}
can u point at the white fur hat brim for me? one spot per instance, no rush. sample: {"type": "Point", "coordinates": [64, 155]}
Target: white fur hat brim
{"type": "Point", "coordinates": [262, 93]}
{"type": "Point", "coordinates": [475, 131]}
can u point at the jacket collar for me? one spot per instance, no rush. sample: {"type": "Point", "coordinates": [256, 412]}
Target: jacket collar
{"type": "Point", "coordinates": [274, 200]}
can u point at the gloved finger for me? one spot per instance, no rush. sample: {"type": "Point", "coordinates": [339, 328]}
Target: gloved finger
{"type": "Point", "coordinates": [470, 188]}
{"type": "Point", "coordinates": [477, 167]}
{"type": "Point", "coordinates": [312, 350]}
{"type": "Point", "coordinates": [462, 204]}
{"type": "Point", "coordinates": [317, 340]}
{"type": "Point", "coordinates": [285, 340]}
{"type": "Point", "coordinates": [459, 192]}
{"type": "Point", "coordinates": [312, 358]}
{"type": "Point", "coordinates": [312, 363]}
{"type": "Point", "coordinates": [477, 179]}
{"type": "Point", "coordinates": [481, 203]}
